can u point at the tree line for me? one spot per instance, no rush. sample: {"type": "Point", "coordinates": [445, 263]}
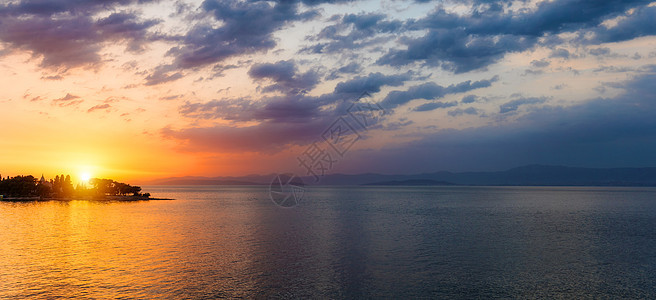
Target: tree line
{"type": "Point", "coordinates": [62, 187]}
{"type": "Point", "coordinates": [113, 188]}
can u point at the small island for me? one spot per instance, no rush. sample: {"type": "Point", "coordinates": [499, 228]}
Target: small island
{"type": "Point", "coordinates": [29, 188]}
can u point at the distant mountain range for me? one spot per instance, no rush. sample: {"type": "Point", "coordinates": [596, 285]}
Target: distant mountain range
{"type": "Point", "coordinates": [532, 175]}
{"type": "Point", "coordinates": [412, 182]}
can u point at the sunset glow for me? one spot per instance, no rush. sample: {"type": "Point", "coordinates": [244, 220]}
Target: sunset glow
{"type": "Point", "coordinates": [84, 177]}
{"type": "Point", "coordinates": [149, 89]}
{"type": "Point", "coordinates": [327, 149]}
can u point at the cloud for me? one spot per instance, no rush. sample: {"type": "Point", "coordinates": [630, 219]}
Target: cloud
{"type": "Point", "coordinates": [172, 97]}
{"type": "Point", "coordinates": [61, 42]}
{"type": "Point", "coordinates": [68, 97]}
{"type": "Point", "coordinates": [291, 118]}
{"type": "Point", "coordinates": [455, 50]}
{"type": "Point", "coordinates": [613, 69]}
{"type": "Point", "coordinates": [601, 132]}
{"type": "Point", "coordinates": [462, 43]}
{"type": "Point", "coordinates": [292, 106]}
{"type": "Point", "coordinates": [532, 72]}
{"type": "Point", "coordinates": [351, 68]}
{"type": "Point", "coordinates": [278, 109]}
{"type": "Point", "coordinates": [123, 26]}
{"type": "Point", "coordinates": [560, 53]}
{"type": "Point", "coordinates": [245, 27]}
{"type": "Point", "coordinates": [435, 105]}
{"type": "Point", "coordinates": [515, 104]}
{"type": "Point", "coordinates": [99, 107]}
{"type": "Point", "coordinates": [68, 100]}
{"type": "Point", "coordinates": [265, 138]}
{"type": "Point", "coordinates": [285, 76]}
{"type": "Point", "coordinates": [352, 32]}
{"type": "Point", "coordinates": [432, 91]}
{"type": "Point", "coordinates": [603, 51]}
{"type": "Point", "coordinates": [469, 99]}
{"type": "Point", "coordinates": [641, 22]}
{"type": "Point", "coordinates": [467, 111]}
{"type": "Point", "coordinates": [64, 35]}
{"type": "Point", "coordinates": [162, 74]}
{"type": "Point", "coordinates": [371, 83]}
{"type": "Point", "coordinates": [547, 17]}
{"type": "Point", "coordinates": [51, 7]}
{"type": "Point", "coordinates": [52, 77]}
{"type": "Point", "coordinates": [540, 63]}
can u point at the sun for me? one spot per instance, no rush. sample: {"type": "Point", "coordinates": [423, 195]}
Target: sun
{"type": "Point", "coordinates": [85, 176]}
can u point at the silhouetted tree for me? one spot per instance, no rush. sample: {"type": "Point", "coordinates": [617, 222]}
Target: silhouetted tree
{"type": "Point", "coordinates": [61, 186]}
{"type": "Point", "coordinates": [67, 187]}
{"type": "Point", "coordinates": [19, 186]}
{"type": "Point", "coordinates": [56, 186]}
{"type": "Point", "coordinates": [43, 190]}
{"type": "Point", "coordinates": [135, 190]}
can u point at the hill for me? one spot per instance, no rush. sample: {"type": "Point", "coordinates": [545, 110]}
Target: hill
{"type": "Point", "coordinates": [531, 175]}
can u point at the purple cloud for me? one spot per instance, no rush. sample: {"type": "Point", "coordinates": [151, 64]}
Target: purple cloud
{"type": "Point", "coordinates": [99, 107]}
{"type": "Point", "coordinates": [64, 34]}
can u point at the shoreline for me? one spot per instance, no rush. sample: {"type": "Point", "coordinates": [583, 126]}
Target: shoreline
{"type": "Point", "coordinates": [83, 198]}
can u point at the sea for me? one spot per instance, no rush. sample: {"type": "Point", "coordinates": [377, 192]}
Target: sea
{"type": "Point", "coordinates": [338, 242]}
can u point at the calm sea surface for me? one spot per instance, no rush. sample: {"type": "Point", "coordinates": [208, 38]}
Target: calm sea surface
{"type": "Point", "coordinates": [341, 242]}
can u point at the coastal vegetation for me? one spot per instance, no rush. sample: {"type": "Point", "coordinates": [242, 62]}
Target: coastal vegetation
{"type": "Point", "coordinates": [61, 187]}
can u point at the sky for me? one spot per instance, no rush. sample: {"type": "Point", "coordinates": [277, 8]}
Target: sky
{"type": "Point", "coordinates": [139, 90]}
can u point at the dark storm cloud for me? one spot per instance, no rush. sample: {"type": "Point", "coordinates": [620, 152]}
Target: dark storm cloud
{"type": "Point", "coordinates": [431, 91]}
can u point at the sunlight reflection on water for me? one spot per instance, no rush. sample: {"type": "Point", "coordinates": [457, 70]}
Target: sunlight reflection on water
{"type": "Point", "coordinates": [342, 242]}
